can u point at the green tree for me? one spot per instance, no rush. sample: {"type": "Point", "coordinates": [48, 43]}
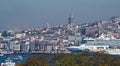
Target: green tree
{"type": "Point", "coordinates": [36, 61]}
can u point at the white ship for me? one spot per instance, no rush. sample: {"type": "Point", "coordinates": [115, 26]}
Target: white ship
{"type": "Point", "coordinates": [94, 48]}
{"type": "Point", "coordinates": [8, 62]}
{"type": "Point", "coordinates": [1, 54]}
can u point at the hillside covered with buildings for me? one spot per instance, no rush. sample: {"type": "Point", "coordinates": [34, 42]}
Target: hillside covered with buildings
{"type": "Point", "coordinates": [54, 39]}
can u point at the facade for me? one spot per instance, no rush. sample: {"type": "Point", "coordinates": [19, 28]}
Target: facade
{"type": "Point", "coordinates": [71, 19]}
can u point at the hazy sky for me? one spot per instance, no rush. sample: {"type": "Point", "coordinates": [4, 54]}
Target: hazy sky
{"type": "Point", "coordinates": [35, 13]}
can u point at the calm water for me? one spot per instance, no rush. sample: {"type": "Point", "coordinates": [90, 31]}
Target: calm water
{"type": "Point", "coordinates": [23, 57]}
{"type": "Point", "coordinates": [16, 57]}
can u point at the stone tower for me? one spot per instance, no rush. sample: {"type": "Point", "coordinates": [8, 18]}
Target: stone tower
{"type": "Point", "coordinates": [71, 20]}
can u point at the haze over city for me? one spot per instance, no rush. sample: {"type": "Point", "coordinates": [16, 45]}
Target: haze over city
{"type": "Point", "coordinates": [36, 13]}
{"type": "Point", "coordinates": [59, 32]}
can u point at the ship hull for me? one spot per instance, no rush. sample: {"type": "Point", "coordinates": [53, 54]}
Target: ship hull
{"type": "Point", "coordinates": [75, 50]}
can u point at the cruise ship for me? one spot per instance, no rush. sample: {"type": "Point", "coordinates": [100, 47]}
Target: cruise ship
{"type": "Point", "coordinates": [90, 47]}
{"type": "Point", "coordinates": [106, 39]}
{"type": "Point", "coordinates": [94, 48]}
{"type": "Point", "coordinates": [108, 44]}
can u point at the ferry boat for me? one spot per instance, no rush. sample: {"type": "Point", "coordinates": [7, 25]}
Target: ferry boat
{"type": "Point", "coordinates": [8, 62]}
{"type": "Point", "coordinates": [1, 54]}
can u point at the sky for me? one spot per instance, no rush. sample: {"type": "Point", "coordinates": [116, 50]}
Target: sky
{"type": "Point", "coordinates": [36, 13]}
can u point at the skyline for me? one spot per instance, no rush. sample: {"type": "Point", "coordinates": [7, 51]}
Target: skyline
{"type": "Point", "coordinates": [37, 13]}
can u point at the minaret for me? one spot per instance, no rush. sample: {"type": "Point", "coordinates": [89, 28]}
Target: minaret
{"type": "Point", "coordinates": [71, 20]}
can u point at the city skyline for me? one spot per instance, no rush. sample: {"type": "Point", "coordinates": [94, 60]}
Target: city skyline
{"type": "Point", "coordinates": [37, 13]}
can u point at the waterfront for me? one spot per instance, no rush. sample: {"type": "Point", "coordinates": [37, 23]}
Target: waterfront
{"type": "Point", "coordinates": [17, 58]}
{"type": "Point", "coordinates": [53, 59]}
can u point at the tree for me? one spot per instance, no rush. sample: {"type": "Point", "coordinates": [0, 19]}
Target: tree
{"type": "Point", "coordinates": [36, 61]}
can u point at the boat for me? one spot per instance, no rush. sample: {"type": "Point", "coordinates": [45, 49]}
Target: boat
{"type": "Point", "coordinates": [8, 62]}
{"type": "Point", "coordinates": [94, 48]}
{"type": "Point", "coordinates": [91, 47]}
{"type": "Point", "coordinates": [1, 54]}
{"type": "Point", "coordinates": [106, 39]}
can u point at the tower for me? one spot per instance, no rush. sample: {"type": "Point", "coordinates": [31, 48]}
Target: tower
{"type": "Point", "coordinates": [71, 19]}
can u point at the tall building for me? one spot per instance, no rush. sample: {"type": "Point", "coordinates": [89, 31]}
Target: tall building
{"type": "Point", "coordinates": [71, 20]}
